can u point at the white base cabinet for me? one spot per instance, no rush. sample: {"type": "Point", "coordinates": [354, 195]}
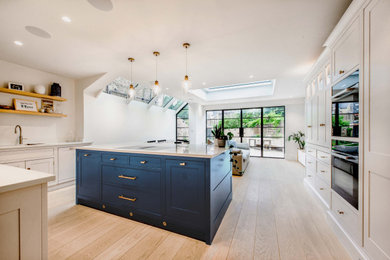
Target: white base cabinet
{"type": "Point", "coordinates": [66, 164]}
{"type": "Point", "coordinates": [42, 165]}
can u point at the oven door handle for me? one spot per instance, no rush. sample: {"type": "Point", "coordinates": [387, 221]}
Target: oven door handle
{"type": "Point", "coordinates": [347, 158]}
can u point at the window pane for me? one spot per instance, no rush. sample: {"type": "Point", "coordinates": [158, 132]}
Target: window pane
{"type": "Point", "coordinates": [182, 123]}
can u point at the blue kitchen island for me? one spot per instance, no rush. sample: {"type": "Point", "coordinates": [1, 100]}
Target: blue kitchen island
{"type": "Point", "coordinates": [181, 188]}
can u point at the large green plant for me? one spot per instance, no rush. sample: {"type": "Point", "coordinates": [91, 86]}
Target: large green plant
{"type": "Point", "coordinates": [298, 138]}
{"type": "Point", "coordinates": [218, 132]}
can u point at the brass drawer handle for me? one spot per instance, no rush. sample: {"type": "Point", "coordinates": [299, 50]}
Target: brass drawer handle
{"type": "Point", "coordinates": [142, 162]}
{"type": "Point", "coordinates": [322, 124]}
{"type": "Point", "coordinates": [323, 171]}
{"type": "Point", "coordinates": [86, 154]}
{"type": "Point", "coordinates": [309, 126]}
{"type": "Point", "coordinates": [182, 164]}
{"type": "Point", "coordinates": [127, 177]}
{"type": "Point", "coordinates": [28, 168]}
{"type": "Point", "coordinates": [340, 212]}
{"type": "Point", "coordinates": [126, 198]}
{"type": "Point", "coordinates": [112, 159]}
{"type": "Point", "coordinates": [324, 157]}
{"type": "Point", "coordinates": [322, 189]}
{"type": "Point", "coordinates": [341, 72]}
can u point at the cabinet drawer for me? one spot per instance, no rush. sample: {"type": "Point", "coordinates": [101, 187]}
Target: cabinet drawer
{"type": "Point", "coordinates": [324, 172]}
{"type": "Point", "coordinates": [127, 199]}
{"type": "Point", "coordinates": [310, 178]}
{"type": "Point", "coordinates": [90, 154]}
{"type": "Point", "coordinates": [346, 217]}
{"type": "Point", "coordinates": [311, 151]}
{"type": "Point", "coordinates": [136, 178]}
{"type": "Point", "coordinates": [323, 190]}
{"type": "Point", "coordinates": [145, 162]}
{"type": "Point", "coordinates": [114, 158]}
{"type": "Point", "coordinates": [324, 157]}
{"type": "Point", "coordinates": [311, 163]}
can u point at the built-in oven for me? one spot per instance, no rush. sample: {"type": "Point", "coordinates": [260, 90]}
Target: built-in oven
{"type": "Point", "coordinates": [345, 107]}
{"type": "Point", "coordinates": [345, 170]}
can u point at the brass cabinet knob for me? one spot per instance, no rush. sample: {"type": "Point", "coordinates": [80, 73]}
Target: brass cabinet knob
{"type": "Point", "coordinates": [322, 124]}
{"type": "Point", "coordinates": [86, 154]}
{"type": "Point", "coordinates": [142, 162]}
{"type": "Point", "coordinates": [28, 168]}
{"type": "Point", "coordinates": [131, 214]}
{"type": "Point", "coordinates": [103, 206]}
{"type": "Point", "coordinates": [322, 189]}
{"type": "Point", "coordinates": [164, 223]}
{"type": "Point", "coordinates": [341, 72]}
{"type": "Point", "coordinates": [112, 159]}
{"type": "Point", "coordinates": [340, 212]}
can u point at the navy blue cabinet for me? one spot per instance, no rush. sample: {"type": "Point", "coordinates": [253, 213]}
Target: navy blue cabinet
{"type": "Point", "coordinates": [185, 191]}
{"type": "Point", "coordinates": [186, 195]}
{"type": "Point", "coordinates": [89, 175]}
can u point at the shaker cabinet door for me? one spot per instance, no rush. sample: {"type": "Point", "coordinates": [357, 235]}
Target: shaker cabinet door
{"type": "Point", "coordinates": [89, 175]}
{"type": "Point", "coordinates": [42, 165]}
{"type": "Point", "coordinates": [185, 191]}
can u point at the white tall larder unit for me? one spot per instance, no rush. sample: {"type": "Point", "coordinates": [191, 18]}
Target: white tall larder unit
{"type": "Point", "coordinates": [361, 41]}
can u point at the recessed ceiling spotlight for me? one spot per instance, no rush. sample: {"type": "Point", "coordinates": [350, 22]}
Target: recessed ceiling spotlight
{"type": "Point", "coordinates": [251, 76]}
{"type": "Point", "coordinates": [204, 83]}
{"type": "Point", "coordinates": [166, 88]}
{"type": "Point", "coordinates": [38, 32]}
{"type": "Point", "coordinates": [66, 19]}
{"type": "Point", "coordinates": [102, 5]}
{"type": "Point", "coordinates": [19, 43]}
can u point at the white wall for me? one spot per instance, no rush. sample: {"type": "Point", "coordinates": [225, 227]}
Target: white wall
{"type": "Point", "coordinates": [295, 112]}
{"type": "Point", "coordinates": [197, 124]}
{"type": "Point", "coordinates": [36, 128]}
{"type": "Point", "coordinates": [110, 120]}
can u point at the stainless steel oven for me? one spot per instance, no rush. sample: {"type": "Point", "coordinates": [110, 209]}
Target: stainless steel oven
{"type": "Point", "coordinates": [345, 107]}
{"type": "Point", "coordinates": [345, 170]}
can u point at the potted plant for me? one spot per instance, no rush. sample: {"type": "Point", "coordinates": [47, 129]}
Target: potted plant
{"type": "Point", "coordinates": [220, 138]}
{"type": "Point", "coordinates": [299, 138]}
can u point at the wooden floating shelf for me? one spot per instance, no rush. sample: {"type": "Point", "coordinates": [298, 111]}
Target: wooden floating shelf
{"type": "Point", "coordinates": [11, 111]}
{"type": "Point", "coordinates": [30, 94]}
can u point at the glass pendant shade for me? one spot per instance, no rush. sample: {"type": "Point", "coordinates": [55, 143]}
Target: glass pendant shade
{"type": "Point", "coordinates": [131, 92]}
{"type": "Point", "coordinates": [156, 88]}
{"type": "Point", "coordinates": [186, 84]}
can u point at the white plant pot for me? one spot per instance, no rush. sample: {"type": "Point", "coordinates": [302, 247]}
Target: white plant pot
{"type": "Point", "coordinates": [301, 156]}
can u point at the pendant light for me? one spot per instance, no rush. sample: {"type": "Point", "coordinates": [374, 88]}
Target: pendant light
{"type": "Point", "coordinates": [186, 82]}
{"type": "Point", "coordinates": [131, 92]}
{"type": "Point", "coordinates": [156, 86]}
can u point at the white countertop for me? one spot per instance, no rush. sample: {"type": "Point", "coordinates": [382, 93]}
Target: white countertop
{"type": "Point", "coordinates": [13, 178]}
{"type": "Point", "coordinates": [187, 150]}
{"type": "Point", "coordinates": [40, 145]}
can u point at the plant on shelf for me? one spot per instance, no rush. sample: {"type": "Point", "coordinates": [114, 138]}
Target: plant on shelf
{"type": "Point", "coordinates": [299, 139]}
{"type": "Point", "coordinates": [219, 135]}
{"type": "Point", "coordinates": [230, 135]}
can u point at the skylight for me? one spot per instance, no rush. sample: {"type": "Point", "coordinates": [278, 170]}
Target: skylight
{"type": "Point", "coordinates": [236, 91]}
{"type": "Point", "coordinates": [240, 86]}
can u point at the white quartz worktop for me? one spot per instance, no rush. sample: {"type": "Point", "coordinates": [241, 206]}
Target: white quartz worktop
{"type": "Point", "coordinates": [41, 145]}
{"type": "Point", "coordinates": [187, 150]}
{"type": "Point", "coordinates": [13, 178]}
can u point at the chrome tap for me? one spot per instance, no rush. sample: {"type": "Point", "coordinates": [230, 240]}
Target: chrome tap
{"type": "Point", "coordinates": [20, 133]}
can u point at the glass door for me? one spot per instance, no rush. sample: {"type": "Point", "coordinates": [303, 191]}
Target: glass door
{"type": "Point", "coordinates": [232, 123]}
{"type": "Point", "coordinates": [251, 130]}
{"type": "Point", "coordinates": [273, 132]}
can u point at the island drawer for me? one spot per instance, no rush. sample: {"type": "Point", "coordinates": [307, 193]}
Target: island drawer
{"type": "Point", "coordinates": [324, 172]}
{"type": "Point", "coordinates": [324, 157]}
{"type": "Point", "coordinates": [116, 159]}
{"type": "Point", "coordinates": [137, 178]}
{"type": "Point", "coordinates": [145, 162]}
{"type": "Point", "coordinates": [126, 199]}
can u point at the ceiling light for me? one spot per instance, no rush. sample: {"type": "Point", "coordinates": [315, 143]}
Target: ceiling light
{"type": "Point", "coordinates": [156, 86]}
{"type": "Point", "coordinates": [166, 88]}
{"type": "Point", "coordinates": [204, 83]}
{"type": "Point", "coordinates": [19, 43]}
{"type": "Point", "coordinates": [66, 19]}
{"type": "Point", "coordinates": [131, 92]}
{"type": "Point", "coordinates": [186, 83]}
{"type": "Point", "coordinates": [251, 76]}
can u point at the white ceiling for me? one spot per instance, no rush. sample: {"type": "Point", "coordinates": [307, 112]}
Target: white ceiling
{"type": "Point", "coordinates": [230, 39]}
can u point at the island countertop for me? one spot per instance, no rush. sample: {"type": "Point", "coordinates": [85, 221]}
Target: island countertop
{"type": "Point", "coordinates": [13, 178]}
{"type": "Point", "coordinates": [186, 150]}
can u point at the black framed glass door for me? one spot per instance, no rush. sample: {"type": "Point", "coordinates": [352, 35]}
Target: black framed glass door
{"type": "Point", "coordinates": [262, 128]}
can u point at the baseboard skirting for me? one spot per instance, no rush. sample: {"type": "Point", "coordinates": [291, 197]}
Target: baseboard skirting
{"type": "Point", "coordinates": [354, 250]}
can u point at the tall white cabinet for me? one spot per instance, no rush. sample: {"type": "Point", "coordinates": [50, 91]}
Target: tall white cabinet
{"type": "Point", "coordinates": [361, 41]}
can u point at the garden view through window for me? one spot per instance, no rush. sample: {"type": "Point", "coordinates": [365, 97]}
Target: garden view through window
{"type": "Point", "coordinates": [262, 128]}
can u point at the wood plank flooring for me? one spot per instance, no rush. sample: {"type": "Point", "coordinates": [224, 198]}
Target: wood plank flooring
{"type": "Point", "coordinates": [273, 215]}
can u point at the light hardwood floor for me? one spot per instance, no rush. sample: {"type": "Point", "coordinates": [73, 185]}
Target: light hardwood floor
{"type": "Point", "coordinates": [273, 215]}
